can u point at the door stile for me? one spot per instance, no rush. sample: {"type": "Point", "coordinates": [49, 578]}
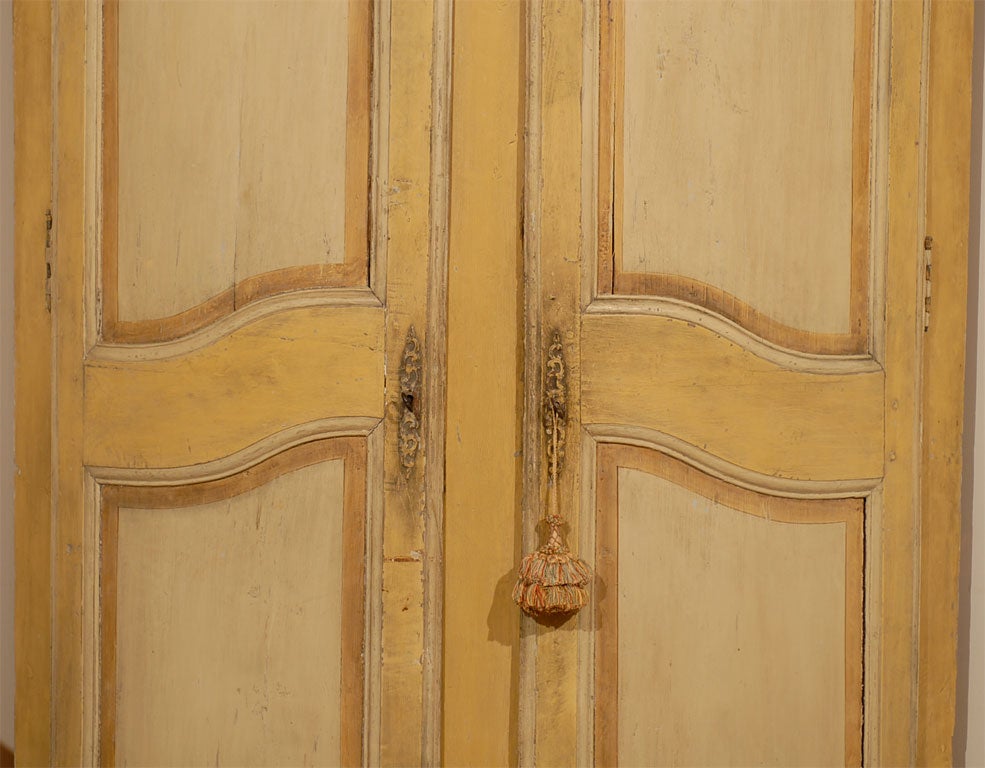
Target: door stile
{"type": "Point", "coordinates": [414, 198]}
{"type": "Point", "coordinates": [947, 213]}
{"type": "Point", "coordinates": [532, 377]}
{"type": "Point", "coordinates": [435, 383]}
{"type": "Point", "coordinates": [896, 740]}
{"type": "Point", "coordinates": [33, 390]}
{"type": "Point", "coordinates": [68, 507]}
{"type": "Point", "coordinates": [553, 237]}
{"type": "Point", "coordinates": [483, 428]}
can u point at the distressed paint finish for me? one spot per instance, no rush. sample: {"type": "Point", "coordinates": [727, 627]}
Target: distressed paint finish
{"type": "Point", "coordinates": [483, 466]}
{"type": "Point", "coordinates": [409, 187]}
{"type": "Point", "coordinates": [680, 552]}
{"type": "Point", "coordinates": [548, 722]}
{"type": "Point", "coordinates": [32, 395]}
{"type": "Point", "coordinates": [281, 372]}
{"type": "Point", "coordinates": [895, 712]}
{"type": "Point", "coordinates": [948, 183]}
{"type": "Point", "coordinates": [769, 208]}
{"type": "Point", "coordinates": [283, 564]}
{"type": "Point", "coordinates": [688, 382]}
{"type": "Point", "coordinates": [289, 368]}
{"type": "Point", "coordinates": [252, 181]}
{"type": "Point", "coordinates": [493, 712]}
{"type": "Point", "coordinates": [653, 371]}
{"type": "Point", "coordinates": [73, 701]}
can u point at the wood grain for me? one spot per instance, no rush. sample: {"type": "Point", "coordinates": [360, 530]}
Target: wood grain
{"type": "Point", "coordinates": [283, 370]}
{"type": "Point", "coordinates": [350, 269]}
{"type": "Point", "coordinates": [738, 335]}
{"type": "Point", "coordinates": [798, 511]}
{"type": "Point", "coordinates": [33, 601]}
{"type": "Point", "coordinates": [411, 288]}
{"type": "Point", "coordinates": [860, 301]}
{"type": "Point", "coordinates": [948, 183]}
{"type": "Point", "coordinates": [553, 232]}
{"type": "Point", "coordinates": [690, 383]}
{"type": "Point", "coordinates": [435, 386]}
{"type": "Point", "coordinates": [734, 309]}
{"type": "Point", "coordinates": [610, 16]}
{"type": "Point", "coordinates": [892, 741]}
{"type": "Point", "coordinates": [68, 736]}
{"type": "Point", "coordinates": [352, 451]}
{"type": "Point", "coordinates": [615, 274]}
{"type": "Point", "coordinates": [483, 428]}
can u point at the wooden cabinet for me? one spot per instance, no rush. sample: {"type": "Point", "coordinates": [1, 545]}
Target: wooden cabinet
{"type": "Point", "coordinates": [305, 263]}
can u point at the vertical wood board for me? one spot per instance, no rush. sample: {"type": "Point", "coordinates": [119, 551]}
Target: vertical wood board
{"type": "Point", "coordinates": [745, 609]}
{"type": "Point", "coordinates": [768, 154]}
{"type": "Point", "coordinates": [253, 181]}
{"type": "Point", "coordinates": [248, 595]}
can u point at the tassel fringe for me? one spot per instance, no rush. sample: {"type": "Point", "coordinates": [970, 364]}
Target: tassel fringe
{"type": "Point", "coordinates": [552, 580]}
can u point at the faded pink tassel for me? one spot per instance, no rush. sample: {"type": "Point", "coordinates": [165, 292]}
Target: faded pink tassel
{"type": "Point", "coordinates": [552, 580]}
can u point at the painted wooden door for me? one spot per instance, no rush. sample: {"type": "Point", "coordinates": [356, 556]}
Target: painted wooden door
{"type": "Point", "coordinates": [730, 221]}
{"type": "Point", "coordinates": [268, 507]}
{"type": "Point", "coordinates": [240, 304]}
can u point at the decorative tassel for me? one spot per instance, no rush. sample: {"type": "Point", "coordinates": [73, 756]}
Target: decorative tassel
{"type": "Point", "coordinates": [552, 581]}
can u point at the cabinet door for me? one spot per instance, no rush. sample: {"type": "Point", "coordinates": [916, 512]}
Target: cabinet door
{"type": "Point", "coordinates": [727, 220]}
{"type": "Point", "coordinates": [241, 197]}
{"type": "Point", "coordinates": [289, 388]}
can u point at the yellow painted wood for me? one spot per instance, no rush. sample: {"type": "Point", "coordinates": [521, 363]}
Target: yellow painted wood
{"type": "Point", "coordinates": [310, 359]}
{"type": "Point", "coordinates": [32, 330]}
{"type": "Point", "coordinates": [247, 381]}
{"type": "Point", "coordinates": [72, 702]}
{"type": "Point", "coordinates": [402, 715]}
{"type": "Point", "coordinates": [948, 183]}
{"type": "Point", "coordinates": [283, 370]}
{"type": "Point", "coordinates": [229, 627]}
{"type": "Point", "coordinates": [738, 401]}
{"type": "Point", "coordinates": [717, 616]}
{"type": "Point", "coordinates": [747, 183]}
{"type": "Point", "coordinates": [408, 282]}
{"type": "Point", "coordinates": [553, 239]}
{"type": "Point", "coordinates": [482, 470]}
{"type": "Point", "coordinates": [690, 383]}
{"type": "Point", "coordinates": [895, 617]}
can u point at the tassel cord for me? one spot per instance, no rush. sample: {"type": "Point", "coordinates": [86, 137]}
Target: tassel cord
{"type": "Point", "coordinates": [552, 482]}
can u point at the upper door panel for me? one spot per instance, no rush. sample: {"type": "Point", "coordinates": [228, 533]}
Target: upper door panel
{"type": "Point", "coordinates": [236, 146]}
{"type": "Point", "coordinates": [734, 163]}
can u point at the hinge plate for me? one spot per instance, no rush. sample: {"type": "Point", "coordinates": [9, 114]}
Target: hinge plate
{"type": "Point", "coordinates": [928, 248]}
{"type": "Point", "coordinates": [48, 222]}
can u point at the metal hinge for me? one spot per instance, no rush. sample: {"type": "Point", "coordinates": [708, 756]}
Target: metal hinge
{"type": "Point", "coordinates": [928, 246]}
{"type": "Point", "coordinates": [47, 260]}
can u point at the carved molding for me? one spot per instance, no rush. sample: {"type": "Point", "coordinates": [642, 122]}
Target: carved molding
{"type": "Point", "coordinates": [228, 325]}
{"type": "Point", "coordinates": [783, 357]}
{"type": "Point", "coordinates": [725, 470]}
{"type": "Point", "coordinates": [355, 426]}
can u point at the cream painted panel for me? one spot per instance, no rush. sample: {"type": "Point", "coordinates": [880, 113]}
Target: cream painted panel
{"type": "Point", "coordinates": [739, 115]}
{"type": "Point", "coordinates": [232, 144]}
{"type": "Point", "coordinates": [731, 633]}
{"type": "Point", "coordinates": [229, 630]}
